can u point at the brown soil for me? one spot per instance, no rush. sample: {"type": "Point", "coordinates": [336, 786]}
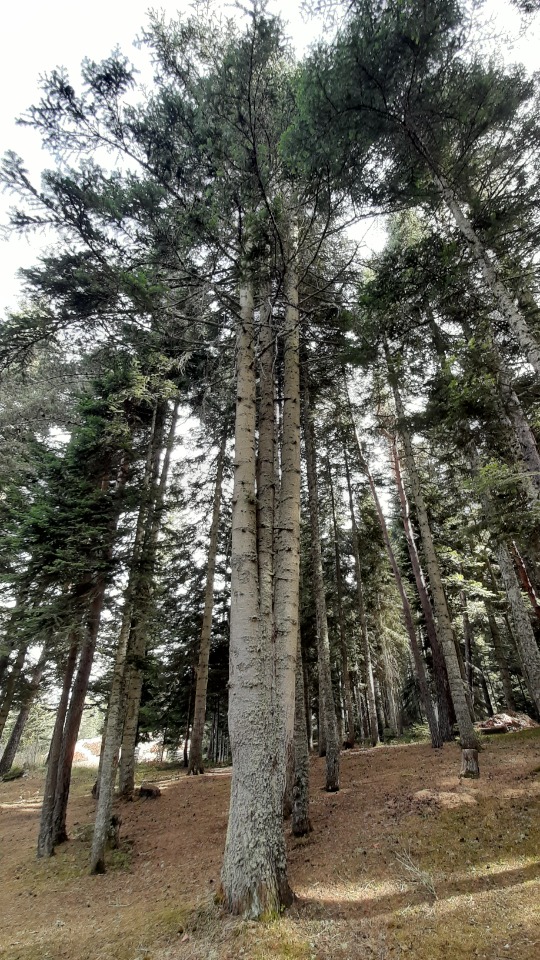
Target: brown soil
{"type": "Point", "coordinates": [405, 861]}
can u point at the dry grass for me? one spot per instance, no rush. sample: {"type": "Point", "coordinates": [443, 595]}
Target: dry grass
{"type": "Point", "coordinates": [406, 861]}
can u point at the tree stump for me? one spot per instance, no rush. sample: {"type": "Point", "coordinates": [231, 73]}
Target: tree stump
{"type": "Point", "coordinates": [469, 765]}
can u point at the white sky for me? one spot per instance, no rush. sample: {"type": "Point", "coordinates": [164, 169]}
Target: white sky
{"type": "Point", "coordinates": [38, 35]}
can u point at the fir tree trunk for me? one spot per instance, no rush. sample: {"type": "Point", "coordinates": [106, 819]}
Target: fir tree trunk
{"type": "Point", "coordinates": [115, 713]}
{"type": "Point", "coordinates": [12, 745]}
{"type": "Point", "coordinates": [300, 793]}
{"type": "Point", "coordinates": [139, 626]}
{"type": "Point", "coordinates": [195, 765]}
{"type": "Point", "coordinates": [467, 733]}
{"type": "Point", "coordinates": [439, 666]}
{"type": "Point", "coordinates": [523, 632]}
{"type": "Point", "coordinates": [74, 716]}
{"type": "Point", "coordinates": [327, 708]}
{"type": "Point", "coordinates": [343, 643]}
{"type": "Point", "coordinates": [368, 668]}
{"type": "Point", "coordinates": [254, 878]}
{"type": "Point", "coordinates": [11, 684]}
{"type": "Point", "coordinates": [45, 847]}
{"type": "Point", "coordinates": [436, 738]}
{"type": "Point", "coordinates": [500, 656]}
{"type": "Point", "coordinates": [525, 579]}
{"type": "Point", "coordinates": [490, 271]}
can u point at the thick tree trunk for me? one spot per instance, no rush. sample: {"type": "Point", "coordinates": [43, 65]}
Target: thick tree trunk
{"type": "Point", "coordinates": [467, 636]}
{"type": "Point", "coordinates": [327, 708]}
{"type": "Point", "coordinates": [341, 621]}
{"type": "Point", "coordinates": [254, 877]}
{"type": "Point", "coordinates": [368, 668]}
{"type": "Point", "coordinates": [196, 765]}
{"type": "Point", "coordinates": [439, 666]}
{"type": "Point", "coordinates": [523, 631]}
{"type": "Point", "coordinates": [12, 745]}
{"type": "Point", "coordinates": [45, 847]}
{"type": "Point", "coordinates": [467, 733]}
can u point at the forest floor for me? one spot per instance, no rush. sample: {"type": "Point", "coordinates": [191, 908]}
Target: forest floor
{"type": "Point", "coordinates": [406, 861]}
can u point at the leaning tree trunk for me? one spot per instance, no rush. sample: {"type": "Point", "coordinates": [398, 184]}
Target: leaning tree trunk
{"type": "Point", "coordinates": [468, 736]}
{"type": "Point", "coordinates": [12, 745]}
{"type": "Point", "coordinates": [523, 631]}
{"type": "Point", "coordinates": [45, 847]}
{"type": "Point", "coordinates": [11, 684]}
{"type": "Point", "coordinates": [525, 579]}
{"type": "Point", "coordinates": [341, 621]}
{"type": "Point", "coordinates": [57, 828]}
{"type": "Point", "coordinates": [195, 765]}
{"type": "Point", "coordinates": [490, 270]}
{"type": "Point", "coordinates": [115, 713]}
{"type": "Point", "coordinates": [500, 656]}
{"type": "Point", "coordinates": [439, 666]}
{"type": "Point", "coordinates": [368, 668]}
{"type": "Point", "coordinates": [436, 738]}
{"type": "Point", "coordinates": [254, 877]}
{"type": "Point", "coordinates": [327, 708]}
{"type": "Point", "coordinates": [137, 641]}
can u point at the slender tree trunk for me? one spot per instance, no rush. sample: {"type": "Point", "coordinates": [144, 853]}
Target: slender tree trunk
{"type": "Point", "coordinates": [195, 754]}
{"type": "Point", "coordinates": [300, 794]}
{"type": "Point", "coordinates": [12, 745]}
{"type": "Point", "coordinates": [490, 270]}
{"type": "Point", "coordinates": [467, 733]}
{"type": "Point", "coordinates": [500, 656]}
{"type": "Point", "coordinates": [137, 641]}
{"type": "Point", "coordinates": [115, 716]}
{"type": "Point", "coordinates": [467, 635]}
{"type": "Point", "coordinates": [341, 621]}
{"type": "Point", "coordinates": [368, 668]}
{"type": "Point", "coordinates": [523, 632]}
{"type": "Point", "coordinates": [11, 685]}
{"type": "Point", "coordinates": [287, 533]}
{"type": "Point", "coordinates": [436, 739]}
{"type": "Point", "coordinates": [524, 579]}
{"type": "Point", "coordinates": [327, 708]}
{"type": "Point", "coordinates": [254, 878]}
{"type": "Point", "coordinates": [45, 847]}
{"type": "Point", "coordinates": [439, 666]}
{"type": "Point", "coordinates": [74, 716]}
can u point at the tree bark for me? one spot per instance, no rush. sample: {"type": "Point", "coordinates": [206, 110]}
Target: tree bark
{"type": "Point", "coordinates": [137, 641]}
{"type": "Point", "coordinates": [115, 715]}
{"type": "Point", "coordinates": [253, 878]}
{"type": "Point", "coordinates": [490, 270]}
{"type": "Point", "coordinates": [523, 631]}
{"type": "Point", "coordinates": [342, 640]}
{"type": "Point", "coordinates": [467, 733]}
{"type": "Point", "coordinates": [11, 684]}
{"type": "Point", "coordinates": [45, 847]}
{"type": "Point", "coordinates": [196, 765]}
{"type": "Point", "coordinates": [12, 745]}
{"type": "Point", "coordinates": [368, 668]}
{"type": "Point", "coordinates": [327, 708]}
{"type": "Point", "coordinates": [500, 656]}
{"type": "Point", "coordinates": [300, 794]}
{"type": "Point", "coordinates": [439, 666]}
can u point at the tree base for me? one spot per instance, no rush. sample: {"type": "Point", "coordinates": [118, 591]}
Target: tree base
{"type": "Point", "coordinates": [470, 769]}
